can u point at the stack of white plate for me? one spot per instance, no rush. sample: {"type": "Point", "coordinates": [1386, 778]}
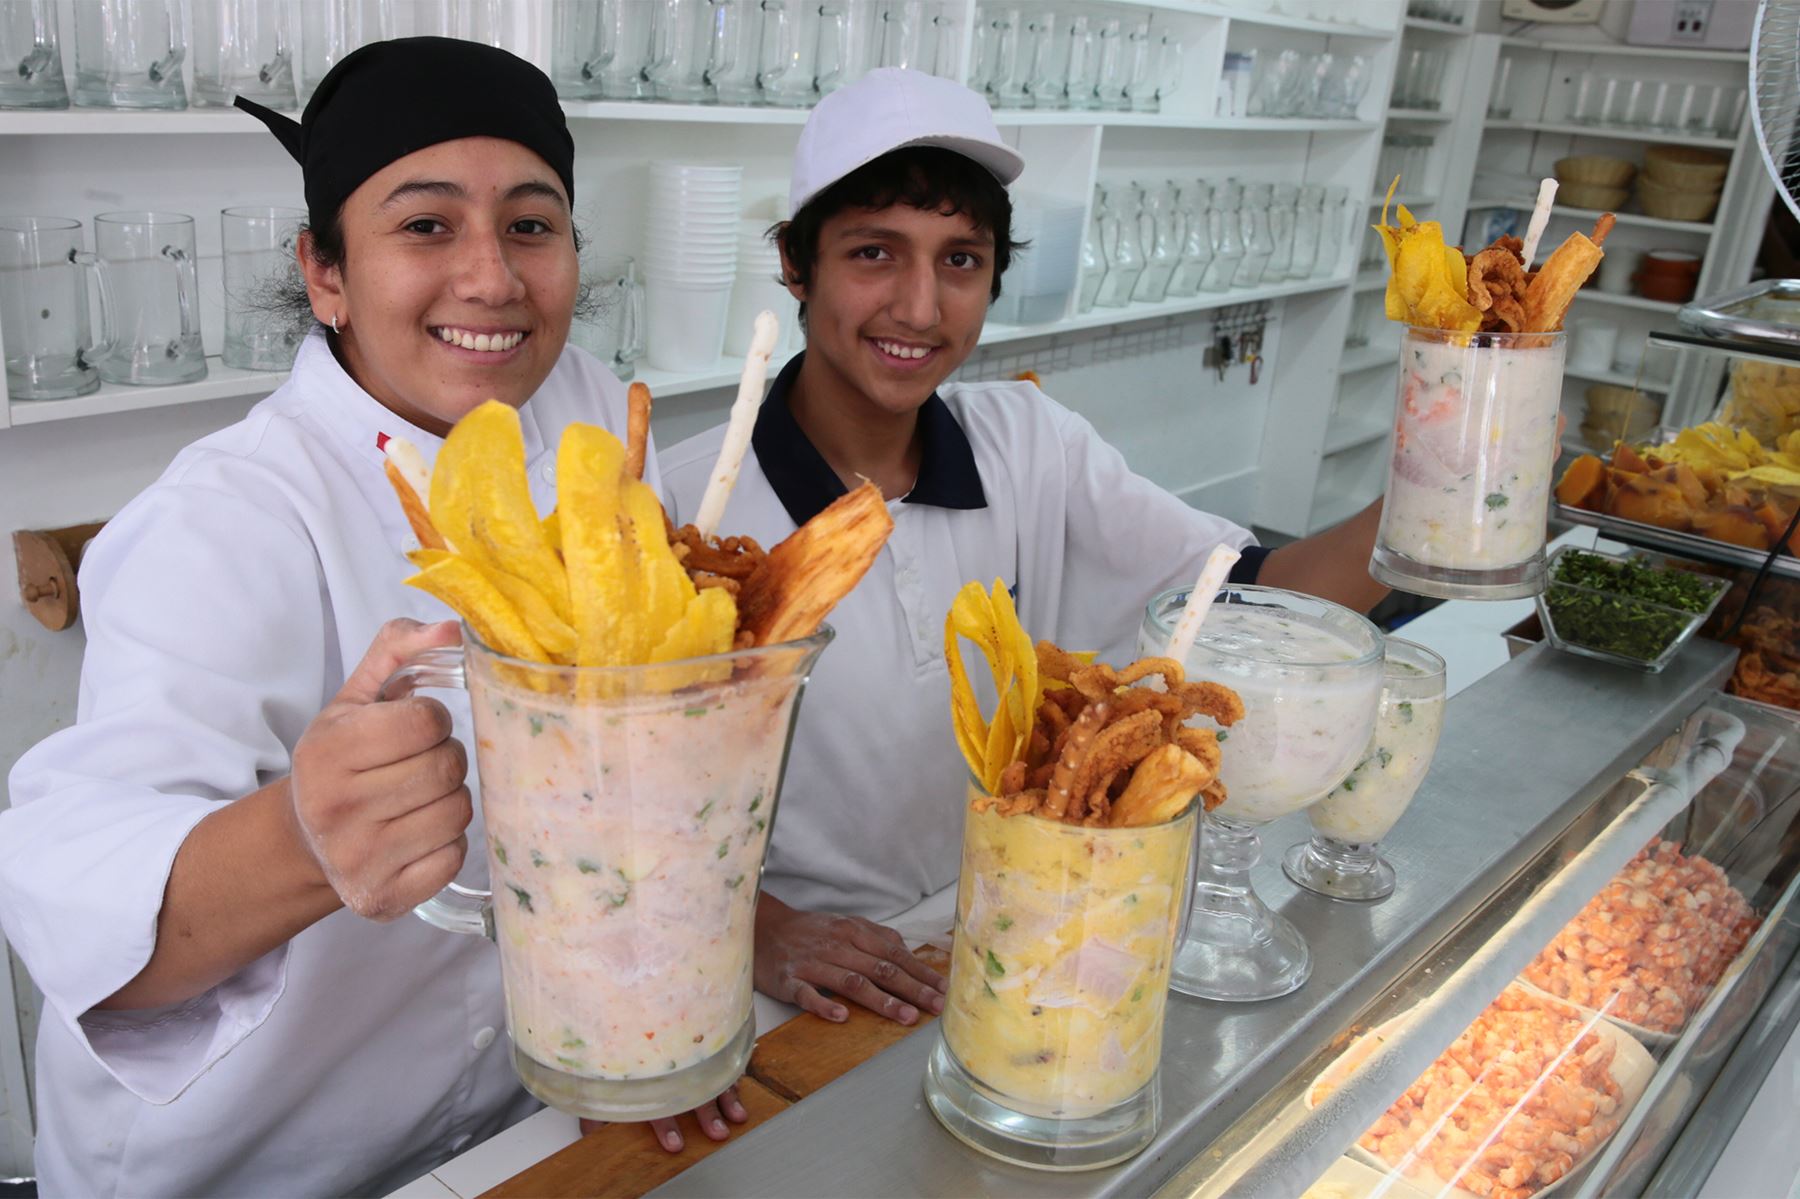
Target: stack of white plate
{"type": "Point", "coordinates": [759, 288]}
{"type": "Point", "coordinates": [690, 261]}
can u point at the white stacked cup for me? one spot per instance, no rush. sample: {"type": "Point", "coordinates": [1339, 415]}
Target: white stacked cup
{"type": "Point", "coordinates": [690, 262]}
{"type": "Point", "coordinates": [759, 288]}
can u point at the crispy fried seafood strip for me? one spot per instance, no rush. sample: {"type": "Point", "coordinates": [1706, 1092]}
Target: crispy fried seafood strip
{"type": "Point", "coordinates": [1062, 779]}
{"type": "Point", "coordinates": [1568, 267]}
{"type": "Point", "coordinates": [1497, 286]}
{"type": "Point", "coordinates": [804, 577]}
{"type": "Point", "coordinates": [729, 557]}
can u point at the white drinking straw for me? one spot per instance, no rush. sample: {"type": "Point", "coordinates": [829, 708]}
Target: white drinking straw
{"type": "Point", "coordinates": [741, 424]}
{"type": "Point", "coordinates": [1200, 600]}
{"type": "Point", "coordinates": [1540, 217]}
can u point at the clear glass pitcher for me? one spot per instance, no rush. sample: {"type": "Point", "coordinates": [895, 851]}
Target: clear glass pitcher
{"type": "Point", "coordinates": [243, 48]}
{"type": "Point", "coordinates": [1259, 238]}
{"type": "Point", "coordinates": [792, 30]}
{"type": "Point", "coordinates": [681, 47]}
{"type": "Point", "coordinates": [1474, 451]}
{"type": "Point", "coordinates": [1195, 204]}
{"type": "Point", "coordinates": [1052, 1026]}
{"type": "Point", "coordinates": [1093, 258]}
{"type": "Point", "coordinates": [1283, 216]}
{"type": "Point", "coordinates": [1227, 236]}
{"type": "Point", "coordinates": [1160, 231]}
{"type": "Point", "coordinates": [43, 309]}
{"type": "Point", "coordinates": [1309, 219]}
{"type": "Point", "coordinates": [736, 51]}
{"type": "Point", "coordinates": [849, 42]}
{"type": "Point", "coordinates": [259, 245]}
{"type": "Point", "coordinates": [627, 812]}
{"type": "Point", "coordinates": [143, 263]}
{"type": "Point", "coordinates": [576, 58]}
{"type": "Point", "coordinates": [31, 71]}
{"type": "Point", "coordinates": [1120, 243]}
{"type": "Point", "coordinates": [128, 54]}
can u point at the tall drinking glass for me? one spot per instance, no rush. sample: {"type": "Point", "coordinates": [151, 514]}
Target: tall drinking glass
{"type": "Point", "coordinates": [31, 72]}
{"type": "Point", "coordinates": [259, 244]}
{"type": "Point", "coordinates": [128, 54]}
{"type": "Point", "coordinates": [243, 48]}
{"type": "Point", "coordinates": [1309, 673]}
{"type": "Point", "coordinates": [43, 309]}
{"type": "Point", "coordinates": [627, 813]}
{"type": "Point", "coordinates": [1468, 494]}
{"type": "Point", "coordinates": [143, 263]}
{"type": "Point", "coordinates": [1340, 861]}
{"type": "Point", "coordinates": [1052, 1027]}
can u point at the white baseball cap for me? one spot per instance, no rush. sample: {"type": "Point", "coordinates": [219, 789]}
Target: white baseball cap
{"type": "Point", "coordinates": [888, 109]}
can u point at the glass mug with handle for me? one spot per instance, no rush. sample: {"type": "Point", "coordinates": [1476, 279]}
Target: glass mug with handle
{"type": "Point", "coordinates": [43, 309]}
{"type": "Point", "coordinates": [260, 252]}
{"type": "Point", "coordinates": [681, 50]}
{"type": "Point", "coordinates": [624, 867]}
{"type": "Point", "coordinates": [31, 71]}
{"type": "Point", "coordinates": [243, 48]}
{"type": "Point", "coordinates": [736, 51]}
{"type": "Point", "coordinates": [792, 31]}
{"type": "Point", "coordinates": [330, 29]}
{"type": "Point", "coordinates": [143, 263]}
{"type": "Point", "coordinates": [128, 54]}
{"type": "Point", "coordinates": [849, 42]}
{"type": "Point", "coordinates": [576, 57]}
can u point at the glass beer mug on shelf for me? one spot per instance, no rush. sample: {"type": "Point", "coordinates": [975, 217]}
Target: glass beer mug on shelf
{"type": "Point", "coordinates": [849, 42]}
{"type": "Point", "coordinates": [1283, 215]}
{"type": "Point", "coordinates": [330, 29]}
{"type": "Point", "coordinates": [128, 54]}
{"type": "Point", "coordinates": [31, 70]}
{"type": "Point", "coordinates": [1259, 238]}
{"type": "Point", "coordinates": [259, 245]}
{"type": "Point", "coordinates": [1160, 234]}
{"type": "Point", "coordinates": [43, 309]}
{"type": "Point", "coordinates": [792, 30]}
{"type": "Point", "coordinates": [243, 48]}
{"type": "Point", "coordinates": [143, 263]}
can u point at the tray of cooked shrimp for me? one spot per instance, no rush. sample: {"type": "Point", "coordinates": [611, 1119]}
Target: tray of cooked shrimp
{"type": "Point", "coordinates": [1649, 948]}
{"type": "Point", "coordinates": [1523, 1098]}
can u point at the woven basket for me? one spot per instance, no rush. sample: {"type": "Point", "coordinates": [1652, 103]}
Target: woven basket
{"type": "Point", "coordinates": [1670, 204]}
{"type": "Point", "coordinates": [1685, 168]}
{"type": "Point", "coordinates": [1594, 170]}
{"type": "Point", "coordinates": [1587, 195]}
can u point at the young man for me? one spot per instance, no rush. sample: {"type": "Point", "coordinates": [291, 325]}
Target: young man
{"type": "Point", "coordinates": [900, 234]}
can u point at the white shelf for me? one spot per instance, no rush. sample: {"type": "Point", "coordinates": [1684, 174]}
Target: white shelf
{"type": "Point", "coordinates": [1593, 214]}
{"type": "Point", "coordinates": [221, 383]}
{"type": "Point", "coordinates": [1613, 133]}
{"type": "Point", "coordinates": [1453, 28]}
{"type": "Point", "coordinates": [114, 121]}
{"type": "Point", "coordinates": [1360, 434]}
{"type": "Point", "coordinates": [1368, 358]}
{"type": "Point", "coordinates": [1593, 295]}
{"type": "Point", "coordinates": [1526, 43]}
{"type": "Point", "coordinates": [706, 114]}
{"type": "Point", "coordinates": [1617, 379]}
{"type": "Point", "coordinates": [1271, 20]}
{"type": "Point", "coordinates": [1021, 117]}
{"type": "Point", "coordinates": [1410, 199]}
{"type": "Point", "coordinates": [1433, 115]}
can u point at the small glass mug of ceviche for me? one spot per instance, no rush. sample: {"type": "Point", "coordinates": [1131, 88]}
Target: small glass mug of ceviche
{"type": "Point", "coordinates": [1475, 445]}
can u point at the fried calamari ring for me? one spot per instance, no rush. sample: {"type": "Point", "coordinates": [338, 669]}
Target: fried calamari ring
{"type": "Point", "coordinates": [1012, 779]}
{"type": "Point", "coordinates": [1203, 744]}
{"type": "Point", "coordinates": [1119, 746]}
{"type": "Point", "coordinates": [1055, 662]}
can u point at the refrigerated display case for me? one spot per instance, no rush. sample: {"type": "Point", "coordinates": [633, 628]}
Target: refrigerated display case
{"type": "Point", "coordinates": [1552, 774]}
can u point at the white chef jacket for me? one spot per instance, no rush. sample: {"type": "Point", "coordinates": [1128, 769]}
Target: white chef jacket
{"type": "Point", "coordinates": [224, 608]}
{"type": "Point", "coordinates": [1012, 485]}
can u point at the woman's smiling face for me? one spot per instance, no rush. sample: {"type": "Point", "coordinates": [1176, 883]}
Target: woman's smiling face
{"type": "Point", "coordinates": [458, 282]}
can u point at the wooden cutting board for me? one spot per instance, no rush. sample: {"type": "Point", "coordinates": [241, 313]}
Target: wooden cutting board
{"type": "Point", "coordinates": [790, 1063]}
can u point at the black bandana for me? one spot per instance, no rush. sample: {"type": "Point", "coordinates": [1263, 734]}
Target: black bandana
{"type": "Point", "coordinates": [389, 99]}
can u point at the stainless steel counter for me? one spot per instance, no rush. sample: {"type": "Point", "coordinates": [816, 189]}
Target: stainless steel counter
{"type": "Point", "coordinates": [1523, 753]}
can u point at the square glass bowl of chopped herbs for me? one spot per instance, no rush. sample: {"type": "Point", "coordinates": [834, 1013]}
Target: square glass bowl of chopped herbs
{"type": "Point", "coordinates": [1634, 611]}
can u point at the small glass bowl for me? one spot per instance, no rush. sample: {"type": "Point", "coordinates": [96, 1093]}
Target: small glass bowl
{"type": "Point", "coordinates": [1680, 624]}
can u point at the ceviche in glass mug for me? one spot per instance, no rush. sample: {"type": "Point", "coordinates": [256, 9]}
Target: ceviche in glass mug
{"type": "Point", "coordinates": [627, 812]}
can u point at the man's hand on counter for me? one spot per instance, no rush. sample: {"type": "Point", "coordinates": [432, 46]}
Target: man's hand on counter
{"type": "Point", "coordinates": [710, 1116]}
{"type": "Point", "coordinates": [801, 955]}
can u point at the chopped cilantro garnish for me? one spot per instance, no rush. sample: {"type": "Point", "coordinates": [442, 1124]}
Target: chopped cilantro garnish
{"type": "Point", "coordinates": [994, 968]}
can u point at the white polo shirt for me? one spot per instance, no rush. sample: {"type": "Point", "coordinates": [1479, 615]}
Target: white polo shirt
{"type": "Point", "coordinates": [1013, 486]}
{"type": "Point", "coordinates": [224, 607]}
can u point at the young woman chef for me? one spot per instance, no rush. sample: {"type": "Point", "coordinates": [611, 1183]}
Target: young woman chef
{"type": "Point", "coordinates": [210, 874]}
{"type": "Point", "coordinates": [900, 233]}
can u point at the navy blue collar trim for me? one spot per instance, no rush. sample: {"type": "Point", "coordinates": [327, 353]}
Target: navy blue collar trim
{"type": "Point", "coordinates": [805, 483]}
